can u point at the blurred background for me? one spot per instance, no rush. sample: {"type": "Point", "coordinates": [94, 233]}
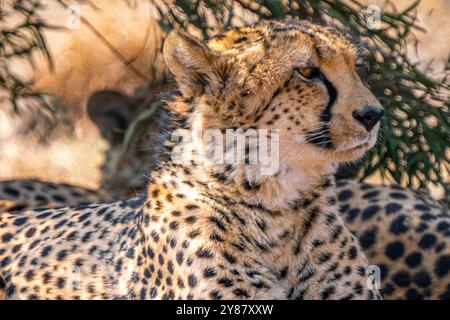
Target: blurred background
{"type": "Point", "coordinates": [55, 54]}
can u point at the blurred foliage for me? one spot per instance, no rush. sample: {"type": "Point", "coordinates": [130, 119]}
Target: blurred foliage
{"type": "Point", "coordinates": [414, 142]}
{"type": "Point", "coordinates": [21, 35]}
{"type": "Point", "coordinates": [415, 135]}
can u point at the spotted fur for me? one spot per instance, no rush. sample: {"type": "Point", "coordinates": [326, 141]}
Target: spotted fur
{"type": "Point", "coordinates": [21, 195]}
{"type": "Point", "coordinates": [211, 231]}
{"type": "Point", "coordinates": [405, 233]}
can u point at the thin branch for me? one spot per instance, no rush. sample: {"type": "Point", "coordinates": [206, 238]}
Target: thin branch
{"type": "Point", "coordinates": [107, 44]}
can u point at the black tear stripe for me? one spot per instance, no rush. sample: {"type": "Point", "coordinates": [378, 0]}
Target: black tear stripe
{"type": "Point", "coordinates": [321, 137]}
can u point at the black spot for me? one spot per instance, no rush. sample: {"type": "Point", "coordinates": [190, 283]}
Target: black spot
{"type": "Point", "coordinates": [30, 232]}
{"type": "Point", "coordinates": [47, 277]}
{"type": "Point", "coordinates": [61, 255]}
{"type": "Point", "coordinates": [441, 246]}
{"type": "Point", "coordinates": [324, 257]}
{"type": "Point", "coordinates": [442, 267]}
{"type": "Point", "coordinates": [398, 195]}
{"type": "Point", "coordinates": [241, 293]}
{"type": "Point", "coordinates": [251, 186]}
{"type": "Point", "coordinates": [369, 212]}
{"type": "Point", "coordinates": [215, 295]}
{"type": "Point", "coordinates": [180, 257]}
{"type": "Point", "coordinates": [388, 289]}
{"type": "Point", "coordinates": [371, 194]}
{"type": "Point", "coordinates": [368, 238]}
{"type": "Point", "coordinates": [394, 250]}
{"type": "Point", "coordinates": [402, 279]}
{"type": "Point", "coordinates": [192, 281]}
{"type": "Point", "coordinates": [427, 241]}
{"type": "Point", "coordinates": [446, 294]}
{"type": "Point", "coordinates": [6, 237]}
{"type": "Point", "coordinates": [422, 227]}
{"type": "Point", "coordinates": [283, 273]}
{"type": "Point", "coordinates": [384, 271]}
{"type": "Point", "coordinates": [29, 275]}
{"type": "Point", "coordinates": [358, 288]}
{"type": "Point", "coordinates": [130, 253]}
{"type": "Point", "coordinates": [352, 214]}
{"type": "Point", "coordinates": [427, 217]}
{"type": "Point", "coordinates": [344, 208]}
{"type": "Point", "coordinates": [60, 283]}
{"type": "Point", "coordinates": [45, 252]}
{"type": "Point", "coordinates": [142, 294]}
{"type": "Point", "coordinates": [209, 272]}
{"type": "Point", "coordinates": [352, 253]}
{"type": "Point", "coordinates": [392, 208]}
{"type": "Point", "coordinates": [11, 192]}
{"type": "Point", "coordinates": [230, 258]}
{"type": "Point", "coordinates": [20, 221]}
{"type": "Point", "coordinates": [218, 223]}
{"type": "Point", "coordinates": [214, 236]}
{"type": "Point", "coordinates": [16, 208]}
{"type": "Point", "coordinates": [58, 198]}
{"type": "Point", "coordinates": [399, 226]}
{"type": "Point", "coordinates": [43, 215]}
{"type": "Point", "coordinates": [443, 226]}
{"type": "Point", "coordinates": [414, 259]}
{"type": "Point", "coordinates": [72, 236]}
{"type": "Point", "coordinates": [191, 219]}
{"type": "Point", "coordinates": [6, 261]}
{"type": "Point", "coordinates": [204, 253]}
{"type": "Point", "coordinates": [262, 224]}
{"type": "Point", "coordinates": [119, 265]}
{"type": "Point", "coordinates": [327, 293]}
{"type": "Point", "coordinates": [153, 292]}
{"type": "Point", "coordinates": [345, 195]}
{"type": "Point", "coordinates": [413, 294]}
{"type": "Point", "coordinates": [422, 207]}
{"type": "Point", "coordinates": [226, 282]}
{"type": "Point", "coordinates": [317, 243]}
{"type": "Point", "coordinates": [422, 279]}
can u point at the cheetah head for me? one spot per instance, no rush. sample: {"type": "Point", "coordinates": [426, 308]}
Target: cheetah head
{"type": "Point", "coordinates": [293, 76]}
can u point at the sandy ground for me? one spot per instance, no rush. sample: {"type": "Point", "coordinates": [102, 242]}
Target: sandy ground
{"type": "Point", "coordinates": [76, 159]}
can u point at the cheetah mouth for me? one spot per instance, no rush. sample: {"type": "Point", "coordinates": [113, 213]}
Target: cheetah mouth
{"type": "Point", "coordinates": [355, 143]}
{"type": "Point", "coordinates": [359, 143]}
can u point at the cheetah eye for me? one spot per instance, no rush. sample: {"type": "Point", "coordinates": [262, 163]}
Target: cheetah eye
{"type": "Point", "coordinates": [246, 93]}
{"type": "Point", "coordinates": [308, 72]}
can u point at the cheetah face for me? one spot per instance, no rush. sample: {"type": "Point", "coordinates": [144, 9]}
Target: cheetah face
{"type": "Point", "coordinates": [293, 76]}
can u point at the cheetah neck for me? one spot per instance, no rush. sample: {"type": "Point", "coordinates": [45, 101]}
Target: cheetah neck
{"type": "Point", "coordinates": [278, 236]}
{"type": "Point", "coordinates": [276, 191]}
{"type": "Point", "coordinates": [293, 189]}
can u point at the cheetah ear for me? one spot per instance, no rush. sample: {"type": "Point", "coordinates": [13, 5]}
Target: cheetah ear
{"type": "Point", "coordinates": [190, 60]}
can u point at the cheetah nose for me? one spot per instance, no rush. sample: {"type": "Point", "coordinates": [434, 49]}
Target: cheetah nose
{"type": "Point", "coordinates": [369, 116]}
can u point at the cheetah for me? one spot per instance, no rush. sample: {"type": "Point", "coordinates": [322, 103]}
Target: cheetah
{"type": "Point", "coordinates": [400, 277]}
{"type": "Point", "coordinates": [216, 231]}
